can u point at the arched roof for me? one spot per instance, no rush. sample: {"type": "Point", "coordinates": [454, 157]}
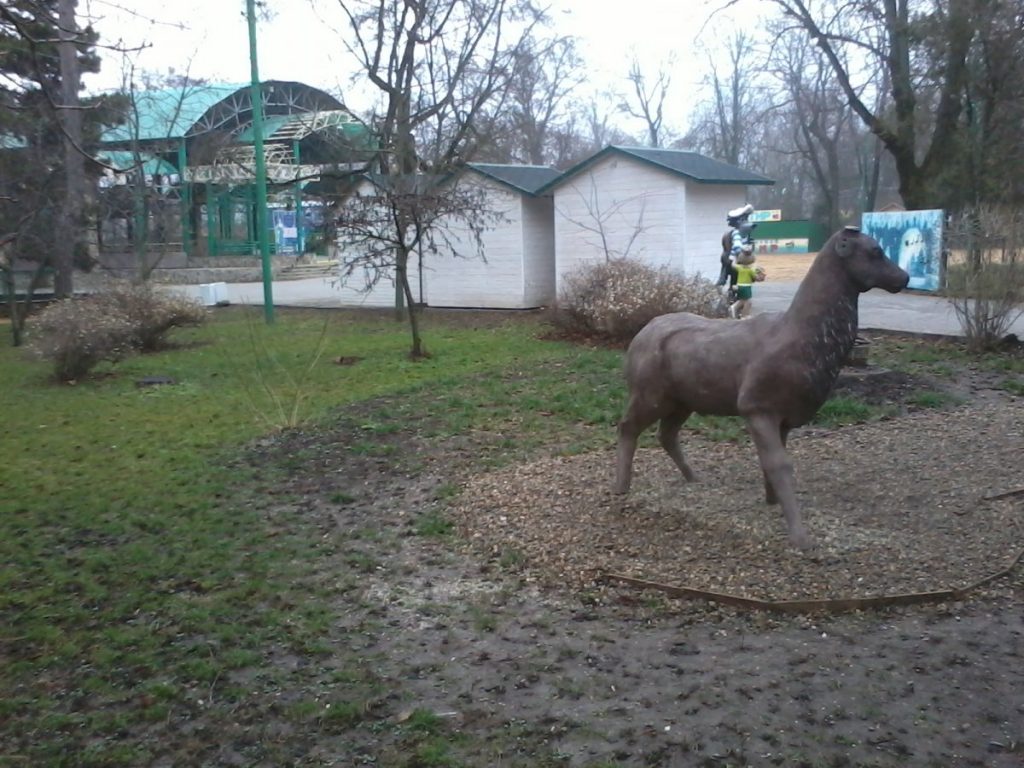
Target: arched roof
{"type": "Point", "coordinates": [195, 110]}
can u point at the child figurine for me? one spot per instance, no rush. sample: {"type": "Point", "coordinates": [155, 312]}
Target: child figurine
{"type": "Point", "coordinates": [735, 238]}
{"type": "Point", "coordinates": [746, 275]}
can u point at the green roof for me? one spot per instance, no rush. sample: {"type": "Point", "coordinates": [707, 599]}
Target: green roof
{"type": "Point", "coordinates": [123, 160]}
{"type": "Point", "coordinates": [300, 124]}
{"type": "Point", "coordinates": [168, 114]}
{"type": "Point", "coordinates": [271, 123]}
{"type": "Point", "coordinates": [522, 178]}
{"type": "Point", "coordinates": [692, 166]}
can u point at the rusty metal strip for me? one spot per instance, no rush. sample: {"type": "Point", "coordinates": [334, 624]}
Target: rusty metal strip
{"type": "Point", "coordinates": [834, 605]}
{"type": "Point", "coordinates": [1014, 562]}
{"type": "Point", "coordinates": [1003, 495]}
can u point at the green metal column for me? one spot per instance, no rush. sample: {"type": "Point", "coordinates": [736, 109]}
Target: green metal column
{"type": "Point", "coordinates": [225, 215]}
{"type": "Point", "coordinates": [261, 167]}
{"type": "Point", "coordinates": [210, 221]}
{"type": "Point", "coordinates": [300, 236]}
{"type": "Point", "coordinates": [140, 218]}
{"type": "Point", "coordinates": [186, 202]}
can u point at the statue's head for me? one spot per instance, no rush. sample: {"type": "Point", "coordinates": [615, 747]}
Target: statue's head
{"type": "Point", "coordinates": [738, 215]}
{"type": "Point", "coordinates": [865, 262]}
{"type": "Point", "coordinates": [746, 255]}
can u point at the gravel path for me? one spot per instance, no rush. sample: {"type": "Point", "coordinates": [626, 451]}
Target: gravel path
{"type": "Point", "coordinates": [895, 506]}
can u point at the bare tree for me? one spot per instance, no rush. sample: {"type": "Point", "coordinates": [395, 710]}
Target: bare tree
{"type": "Point", "coordinates": [822, 121]}
{"type": "Point", "coordinates": [138, 202]}
{"type": "Point", "coordinates": [543, 77]}
{"type": "Point", "coordinates": [646, 102]}
{"type": "Point", "coordinates": [730, 124]}
{"type": "Point", "coordinates": [438, 66]}
{"type": "Point", "coordinates": [617, 241]}
{"type": "Point", "coordinates": [931, 54]}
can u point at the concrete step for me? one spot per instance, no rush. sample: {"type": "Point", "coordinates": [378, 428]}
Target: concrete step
{"type": "Point", "coordinates": [303, 271]}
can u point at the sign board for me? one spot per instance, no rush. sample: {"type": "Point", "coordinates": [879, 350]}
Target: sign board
{"type": "Point", "coordinates": [782, 245]}
{"type": "Point", "coordinates": [766, 216]}
{"type": "Point", "coordinates": [913, 239]}
{"type": "Point", "coordinates": [286, 233]}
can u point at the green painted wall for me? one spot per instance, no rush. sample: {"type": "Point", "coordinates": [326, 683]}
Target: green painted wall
{"type": "Point", "coordinates": [797, 229]}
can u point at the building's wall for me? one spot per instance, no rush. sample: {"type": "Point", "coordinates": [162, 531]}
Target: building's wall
{"type": "Point", "coordinates": [359, 290]}
{"type": "Point", "coordinates": [673, 222]}
{"type": "Point", "coordinates": [618, 208]}
{"type": "Point", "coordinates": [539, 247]}
{"type": "Point", "coordinates": [367, 286]}
{"type": "Point", "coordinates": [706, 207]}
{"type": "Point", "coordinates": [457, 276]}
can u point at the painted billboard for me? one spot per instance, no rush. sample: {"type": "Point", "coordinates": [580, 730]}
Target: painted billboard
{"type": "Point", "coordinates": [772, 215]}
{"type": "Point", "coordinates": [286, 232]}
{"type": "Point", "coordinates": [913, 239]}
{"type": "Point", "coordinates": [784, 245]}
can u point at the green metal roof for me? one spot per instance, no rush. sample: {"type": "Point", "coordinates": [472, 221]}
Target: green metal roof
{"type": "Point", "coordinates": [692, 166]}
{"type": "Point", "coordinates": [168, 114]}
{"type": "Point", "coordinates": [271, 123]}
{"type": "Point", "coordinates": [123, 160]}
{"type": "Point", "coordinates": [522, 178]}
{"type": "Point", "coordinates": [300, 124]}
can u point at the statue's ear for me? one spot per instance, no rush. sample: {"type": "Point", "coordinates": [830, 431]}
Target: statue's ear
{"type": "Point", "coordinates": [845, 245]}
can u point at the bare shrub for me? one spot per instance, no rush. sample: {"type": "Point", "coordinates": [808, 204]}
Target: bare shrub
{"type": "Point", "coordinates": [986, 286]}
{"type": "Point", "coordinates": [75, 336]}
{"type": "Point", "coordinates": [152, 312]}
{"type": "Point", "coordinates": [618, 297]}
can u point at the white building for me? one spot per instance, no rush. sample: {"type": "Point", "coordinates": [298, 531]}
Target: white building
{"type": "Point", "coordinates": [517, 270]}
{"type": "Point", "coordinates": [665, 207]}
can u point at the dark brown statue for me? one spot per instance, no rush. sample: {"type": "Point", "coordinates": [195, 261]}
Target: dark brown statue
{"type": "Point", "coordinates": [775, 370]}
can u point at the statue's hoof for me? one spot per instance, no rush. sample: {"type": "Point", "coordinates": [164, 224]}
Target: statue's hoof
{"type": "Point", "coordinates": [801, 540]}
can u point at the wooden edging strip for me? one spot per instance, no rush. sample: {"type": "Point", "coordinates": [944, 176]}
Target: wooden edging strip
{"type": "Point", "coordinates": [835, 605]}
{"type": "Point", "coordinates": [1003, 495]}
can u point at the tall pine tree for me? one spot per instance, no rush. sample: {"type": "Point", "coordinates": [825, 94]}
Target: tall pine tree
{"type": "Point", "coordinates": [35, 227]}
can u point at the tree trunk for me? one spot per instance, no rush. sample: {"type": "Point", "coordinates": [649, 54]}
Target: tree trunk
{"type": "Point", "coordinates": [10, 293]}
{"type": "Point", "coordinates": [74, 164]}
{"type": "Point", "coordinates": [402, 272]}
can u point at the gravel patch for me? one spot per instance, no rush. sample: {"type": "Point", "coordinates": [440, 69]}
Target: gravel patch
{"type": "Point", "coordinates": [895, 507]}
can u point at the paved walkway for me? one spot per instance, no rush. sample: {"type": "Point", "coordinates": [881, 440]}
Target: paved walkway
{"type": "Point", "coordinates": [913, 312]}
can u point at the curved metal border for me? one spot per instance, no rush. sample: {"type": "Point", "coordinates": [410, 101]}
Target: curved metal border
{"type": "Point", "coordinates": [834, 605]}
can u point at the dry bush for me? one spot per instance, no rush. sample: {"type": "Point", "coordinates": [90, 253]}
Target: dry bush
{"type": "Point", "coordinates": [986, 287]}
{"type": "Point", "coordinates": [77, 334]}
{"type": "Point", "coordinates": [75, 337]}
{"type": "Point", "coordinates": [152, 312]}
{"type": "Point", "coordinates": [618, 297]}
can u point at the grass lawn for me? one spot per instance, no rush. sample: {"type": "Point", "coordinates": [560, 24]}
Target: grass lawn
{"type": "Point", "coordinates": [140, 576]}
{"type": "Point", "coordinates": [135, 570]}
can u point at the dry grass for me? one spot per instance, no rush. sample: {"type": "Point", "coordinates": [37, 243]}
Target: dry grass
{"type": "Point", "coordinates": [786, 267]}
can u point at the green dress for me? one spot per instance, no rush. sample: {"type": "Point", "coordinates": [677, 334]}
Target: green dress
{"type": "Point", "coordinates": [745, 277]}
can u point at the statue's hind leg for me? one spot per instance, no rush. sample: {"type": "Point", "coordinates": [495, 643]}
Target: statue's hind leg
{"type": "Point", "coordinates": [668, 436]}
{"type": "Point", "coordinates": [633, 423]}
{"type": "Point", "coordinates": [770, 496]}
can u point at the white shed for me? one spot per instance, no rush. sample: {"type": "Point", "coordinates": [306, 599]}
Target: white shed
{"type": "Point", "coordinates": [361, 284]}
{"type": "Point", "coordinates": [518, 267]}
{"type": "Point", "coordinates": [663, 206]}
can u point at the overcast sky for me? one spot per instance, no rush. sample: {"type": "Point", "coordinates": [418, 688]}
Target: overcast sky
{"type": "Point", "coordinates": [302, 41]}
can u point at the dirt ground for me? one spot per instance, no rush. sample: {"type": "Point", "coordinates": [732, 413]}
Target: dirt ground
{"type": "Point", "coordinates": [529, 658]}
{"type": "Point", "coordinates": [786, 267]}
